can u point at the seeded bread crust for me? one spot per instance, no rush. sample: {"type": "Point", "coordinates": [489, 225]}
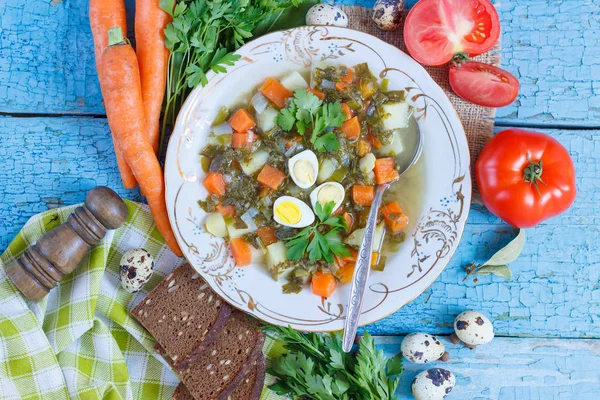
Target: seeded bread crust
{"type": "Point", "coordinates": [183, 314]}
{"type": "Point", "coordinates": [197, 372]}
{"type": "Point", "coordinates": [249, 389]}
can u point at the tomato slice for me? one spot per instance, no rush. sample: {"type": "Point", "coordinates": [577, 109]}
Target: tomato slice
{"type": "Point", "coordinates": [436, 30]}
{"type": "Point", "coordinates": [484, 84]}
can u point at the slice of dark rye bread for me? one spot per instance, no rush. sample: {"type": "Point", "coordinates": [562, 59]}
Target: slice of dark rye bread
{"type": "Point", "coordinates": [183, 314]}
{"type": "Point", "coordinates": [250, 388]}
{"type": "Point", "coordinates": [218, 370]}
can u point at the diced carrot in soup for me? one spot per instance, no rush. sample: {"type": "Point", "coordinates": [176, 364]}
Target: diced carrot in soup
{"type": "Point", "coordinates": [323, 284]}
{"type": "Point", "coordinates": [345, 273]}
{"type": "Point", "coordinates": [349, 78]}
{"type": "Point", "coordinates": [271, 177]}
{"type": "Point", "coordinates": [242, 121]}
{"type": "Point", "coordinates": [351, 128]}
{"type": "Point", "coordinates": [317, 93]}
{"type": "Point", "coordinates": [363, 195]}
{"type": "Point", "coordinates": [364, 147]}
{"type": "Point", "coordinates": [394, 217]}
{"type": "Point", "coordinates": [226, 210]}
{"type": "Point", "coordinates": [273, 90]}
{"type": "Point", "coordinates": [241, 252]}
{"type": "Point", "coordinates": [349, 221]}
{"type": "Point", "coordinates": [342, 85]}
{"type": "Point", "coordinates": [239, 140]}
{"type": "Point", "coordinates": [347, 110]}
{"type": "Point", "coordinates": [385, 171]}
{"type": "Point", "coordinates": [215, 184]}
{"type": "Point", "coordinates": [266, 235]}
{"type": "Point", "coordinates": [374, 141]}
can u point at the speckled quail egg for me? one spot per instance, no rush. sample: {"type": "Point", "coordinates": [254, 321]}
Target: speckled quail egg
{"type": "Point", "coordinates": [289, 211]}
{"type": "Point", "coordinates": [304, 168]}
{"type": "Point", "coordinates": [326, 14]}
{"type": "Point", "coordinates": [473, 328]}
{"type": "Point", "coordinates": [387, 14]}
{"type": "Point", "coordinates": [421, 348]}
{"type": "Point", "coordinates": [136, 268]}
{"type": "Point", "coordinates": [328, 191]}
{"type": "Point", "coordinates": [433, 384]}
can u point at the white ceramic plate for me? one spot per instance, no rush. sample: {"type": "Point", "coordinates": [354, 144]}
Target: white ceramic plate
{"type": "Point", "coordinates": [439, 218]}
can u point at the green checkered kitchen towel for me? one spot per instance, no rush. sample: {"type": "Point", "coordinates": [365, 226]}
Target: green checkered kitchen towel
{"type": "Point", "coordinates": [80, 341]}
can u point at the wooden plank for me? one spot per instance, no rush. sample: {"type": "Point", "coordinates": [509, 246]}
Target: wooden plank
{"type": "Point", "coordinates": [55, 161]}
{"type": "Point", "coordinates": [513, 369]}
{"type": "Point", "coordinates": [49, 163]}
{"type": "Point", "coordinates": [47, 65]}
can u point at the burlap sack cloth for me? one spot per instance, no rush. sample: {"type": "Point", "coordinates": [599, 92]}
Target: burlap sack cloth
{"type": "Point", "coordinates": [478, 121]}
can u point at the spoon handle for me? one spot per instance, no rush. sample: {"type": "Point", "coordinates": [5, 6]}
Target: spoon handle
{"type": "Point", "coordinates": [361, 272]}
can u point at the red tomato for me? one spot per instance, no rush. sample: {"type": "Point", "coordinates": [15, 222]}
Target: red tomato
{"type": "Point", "coordinates": [484, 84]}
{"type": "Point", "coordinates": [525, 177]}
{"type": "Point", "coordinates": [436, 30]}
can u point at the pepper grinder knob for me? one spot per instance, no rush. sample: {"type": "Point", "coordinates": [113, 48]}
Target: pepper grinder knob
{"type": "Point", "coordinates": [58, 252]}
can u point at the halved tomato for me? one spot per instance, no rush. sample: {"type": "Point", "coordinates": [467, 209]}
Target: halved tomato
{"type": "Point", "coordinates": [436, 30]}
{"type": "Point", "coordinates": [484, 84]}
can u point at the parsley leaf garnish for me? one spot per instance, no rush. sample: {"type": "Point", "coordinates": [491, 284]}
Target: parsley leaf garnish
{"type": "Point", "coordinates": [309, 114]}
{"type": "Point", "coordinates": [318, 245]}
{"type": "Point", "coordinates": [315, 367]}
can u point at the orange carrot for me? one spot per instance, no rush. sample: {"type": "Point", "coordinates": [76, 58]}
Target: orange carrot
{"type": "Point", "coordinates": [153, 58]}
{"type": "Point", "coordinates": [242, 121]}
{"type": "Point", "coordinates": [104, 15]}
{"type": "Point", "coordinates": [363, 195]}
{"type": "Point", "coordinates": [351, 258]}
{"type": "Point", "coordinates": [342, 85]}
{"type": "Point", "coordinates": [122, 91]}
{"type": "Point", "coordinates": [317, 93]}
{"type": "Point", "coordinates": [385, 171]}
{"type": "Point", "coordinates": [345, 273]}
{"type": "Point", "coordinates": [241, 252]}
{"type": "Point", "coordinates": [349, 78]}
{"type": "Point", "coordinates": [347, 110]}
{"type": "Point", "coordinates": [374, 141]}
{"type": "Point", "coordinates": [239, 140]}
{"type": "Point", "coordinates": [364, 147]}
{"type": "Point", "coordinates": [214, 183]}
{"type": "Point", "coordinates": [270, 177]}
{"type": "Point", "coordinates": [323, 284]}
{"type": "Point", "coordinates": [226, 210]}
{"type": "Point", "coordinates": [351, 128]}
{"type": "Point", "coordinates": [349, 221]}
{"type": "Point", "coordinates": [263, 192]}
{"type": "Point", "coordinates": [273, 90]}
{"type": "Point", "coordinates": [267, 235]}
{"type": "Point", "coordinates": [394, 216]}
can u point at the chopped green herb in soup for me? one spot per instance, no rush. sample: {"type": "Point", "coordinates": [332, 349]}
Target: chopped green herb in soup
{"type": "Point", "coordinates": [291, 175]}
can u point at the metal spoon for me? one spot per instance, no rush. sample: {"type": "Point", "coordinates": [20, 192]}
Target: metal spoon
{"type": "Point", "coordinates": [365, 252]}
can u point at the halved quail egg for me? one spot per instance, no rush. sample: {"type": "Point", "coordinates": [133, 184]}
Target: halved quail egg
{"type": "Point", "coordinates": [304, 168]}
{"type": "Point", "coordinates": [289, 211]}
{"type": "Point", "coordinates": [328, 191]}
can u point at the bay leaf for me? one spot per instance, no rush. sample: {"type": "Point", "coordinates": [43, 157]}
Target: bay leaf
{"type": "Point", "coordinates": [498, 270]}
{"type": "Point", "coordinates": [508, 253]}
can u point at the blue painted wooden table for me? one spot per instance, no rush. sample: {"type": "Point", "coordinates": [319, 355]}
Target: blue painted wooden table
{"type": "Point", "coordinates": [55, 145]}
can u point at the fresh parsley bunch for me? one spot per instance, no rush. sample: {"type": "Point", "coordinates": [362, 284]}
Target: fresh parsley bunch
{"type": "Point", "coordinates": [316, 367]}
{"type": "Point", "coordinates": [308, 113]}
{"type": "Point", "coordinates": [318, 245]}
{"type": "Point", "coordinates": [203, 35]}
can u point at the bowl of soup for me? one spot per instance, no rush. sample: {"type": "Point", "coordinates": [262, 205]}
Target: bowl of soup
{"type": "Point", "coordinates": [272, 167]}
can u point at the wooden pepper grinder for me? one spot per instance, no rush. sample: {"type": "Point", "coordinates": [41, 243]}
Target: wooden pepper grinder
{"type": "Point", "coordinates": [59, 251]}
